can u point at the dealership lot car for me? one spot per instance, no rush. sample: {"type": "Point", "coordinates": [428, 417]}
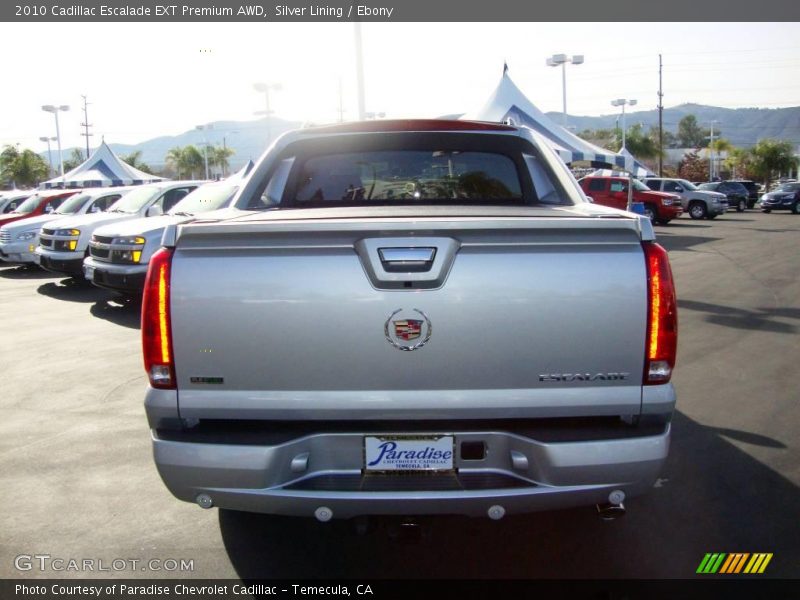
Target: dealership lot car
{"type": "Point", "coordinates": [700, 204]}
{"type": "Point", "coordinates": [345, 376]}
{"type": "Point", "coordinates": [18, 240]}
{"type": "Point", "coordinates": [659, 207]}
{"type": "Point", "coordinates": [119, 253]}
{"type": "Point", "coordinates": [785, 197]}
{"type": "Point", "coordinates": [11, 200]}
{"type": "Point", "coordinates": [736, 193]}
{"type": "Point", "coordinates": [40, 203]}
{"type": "Point", "coordinates": [62, 248]}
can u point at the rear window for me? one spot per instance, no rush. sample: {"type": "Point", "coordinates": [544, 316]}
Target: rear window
{"type": "Point", "coordinates": [397, 176]}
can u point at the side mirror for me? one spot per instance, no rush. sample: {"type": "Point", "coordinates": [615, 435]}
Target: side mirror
{"type": "Point", "coordinates": [155, 211]}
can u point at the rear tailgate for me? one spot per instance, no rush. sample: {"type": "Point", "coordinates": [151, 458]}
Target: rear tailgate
{"type": "Point", "coordinates": [512, 317]}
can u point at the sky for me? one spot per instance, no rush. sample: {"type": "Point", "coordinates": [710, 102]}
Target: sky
{"type": "Point", "coordinates": [147, 80]}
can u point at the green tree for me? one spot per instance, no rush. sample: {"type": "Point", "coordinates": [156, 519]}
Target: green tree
{"type": "Point", "coordinates": [75, 159]}
{"type": "Point", "coordinates": [218, 156]}
{"type": "Point", "coordinates": [605, 138]}
{"type": "Point", "coordinates": [690, 134]}
{"type": "Point", "coordinates": [23, 169]}
{"type": "Point", "coordinates": [186, 161]}
{"type": "Point", "coordinates": [132, 159]}
{"type": "Point", "coordinates": [642, 145]}
{"type": "Point", "coordinates": [770, 157]}
{"type": "Point", "coordinates": [738, 162]}
{"type": "Point", "coordinates": [693, 168]}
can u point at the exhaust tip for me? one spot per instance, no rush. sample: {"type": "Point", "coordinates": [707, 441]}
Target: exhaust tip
{"type": "Point", "coordinates": [611, 512]}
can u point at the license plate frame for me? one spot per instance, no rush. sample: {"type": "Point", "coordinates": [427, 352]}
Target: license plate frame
{"type": "Point", "coordinates": [432, 453]}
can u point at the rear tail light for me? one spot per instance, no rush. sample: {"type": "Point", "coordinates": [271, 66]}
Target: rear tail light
{"type": "Point", "coordinates": [156, 325]}
{"type": "Point", "coordinates": [662, 316]}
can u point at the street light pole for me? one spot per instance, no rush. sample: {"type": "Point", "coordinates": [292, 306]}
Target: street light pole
{"type": "Point", "coordinates": [55, 110]}
{"type": "Point", "coordinates": [205, 144]}
{"type": "Point", "coordinates": [49, 153]}
{"type": "Point", "coordinates": [562, 60]}
{"type": "Point", "coordinates": [623, 102]}
{"type": "Point", "coordinates": [265, 88]}
{"type": "Point", "coordinates": [711, 152]}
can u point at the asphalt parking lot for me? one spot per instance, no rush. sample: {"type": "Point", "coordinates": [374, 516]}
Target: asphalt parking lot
{"type": "Point", "coordinates": [79, 482]}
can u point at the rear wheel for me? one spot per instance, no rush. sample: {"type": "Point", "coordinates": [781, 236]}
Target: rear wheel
{"type": "Point", "coordinates": [741, 206]}
{"type": "Point", "coordinates": [697, 210]}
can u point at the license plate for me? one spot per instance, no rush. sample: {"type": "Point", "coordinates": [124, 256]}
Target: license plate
{"type": "Point", "coordinates": [88, 272]}
{"type": "Point", "coordinates": [409, 453]}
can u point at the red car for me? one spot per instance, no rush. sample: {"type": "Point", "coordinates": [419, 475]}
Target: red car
{"type": "Point", "coordinates": [38, 204]}
{"type": "Point", "coordinates": [659, 207]}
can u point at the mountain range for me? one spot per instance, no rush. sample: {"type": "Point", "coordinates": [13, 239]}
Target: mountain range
{"type": "Point", "coordinates": [249, 139]}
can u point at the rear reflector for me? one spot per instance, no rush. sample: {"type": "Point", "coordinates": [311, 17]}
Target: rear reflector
{"type": "Point", "coordinates": [662, 316]}
{"type": "Point", "coordinates": [390, 125]}
{"type": "Point", "coordinates": [156, 326]}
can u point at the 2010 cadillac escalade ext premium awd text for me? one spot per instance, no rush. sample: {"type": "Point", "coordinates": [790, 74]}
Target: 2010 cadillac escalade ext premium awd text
{"type": "Point", "coordinates": [420, 317]}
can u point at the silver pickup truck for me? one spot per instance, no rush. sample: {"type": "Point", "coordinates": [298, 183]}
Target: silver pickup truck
{"type": "Point", "coordinates": [422, 317]}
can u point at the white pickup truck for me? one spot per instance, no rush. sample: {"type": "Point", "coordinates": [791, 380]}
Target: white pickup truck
{"type": "Point", "coordinates": [18, 240]}
{"type": "Point", "coordinates": [63, 246]}
{"type": "Point", "coordinates": [119, 252]}
{"type": "Point", "coordinates": [421, 317]}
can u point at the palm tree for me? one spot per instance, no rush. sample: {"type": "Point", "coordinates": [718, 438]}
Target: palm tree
{"type": "Point", "coordinates": [186, 161]}
{"type": "Point", "coordinates": [218, 156]}
{"type": "Point", "coordinates": [132, 159]}
{"type": "Point", "coordinates": [771, 156]}
{"type": "Point", "coordinates": [174, 159]}
{"type": "Point", "coordinates": [24, 169]}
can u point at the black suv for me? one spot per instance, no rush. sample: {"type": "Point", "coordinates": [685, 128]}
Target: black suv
{"type": "Point", "coordinates": [738, 195]}
{"type": "Point", "coordinates": [753, 190]}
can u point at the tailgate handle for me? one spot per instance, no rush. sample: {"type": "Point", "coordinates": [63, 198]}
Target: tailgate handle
{"type": "Point", "coordinates": [407, 260]}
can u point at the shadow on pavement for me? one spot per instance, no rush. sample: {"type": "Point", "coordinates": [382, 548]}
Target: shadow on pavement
{"type": "Point", "coordinates": [120, 310]}
{"type": "Point", "coordinates": [26, 272]}
{"type": "Point", "coordinates": [682, 242]}
{"type": "Point", "coordinates": [740, 318]}
{"type": "Point", "coordinates": [713, 497]}
{"type": "Point", "coordinates": [678, 223]}
{"type": "Point", "coordinates": [73, 290]}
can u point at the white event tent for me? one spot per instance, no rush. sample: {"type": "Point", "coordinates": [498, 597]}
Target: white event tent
{"type": "Point", "coordinates": [508, 104]}
{"type": "Point", "coordinates": [102, 169]}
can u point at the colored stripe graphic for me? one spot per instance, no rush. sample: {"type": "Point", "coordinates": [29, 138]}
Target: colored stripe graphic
{"type": "Point", "coordinates": [734, 563]}
{"type": "Point", "coordinates": [758, 563]}
{"type": "Point", "coordinates": [711, 562]}
{"type": "Point", "coordinates": [722, 563]}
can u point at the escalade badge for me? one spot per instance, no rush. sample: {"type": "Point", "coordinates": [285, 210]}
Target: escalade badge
{"type": "Point", "coordinates": [405, 329]}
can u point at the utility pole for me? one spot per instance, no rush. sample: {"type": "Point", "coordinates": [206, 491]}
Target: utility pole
{"type": "Point", "coordinates": [660, 122]}
{"type": "Point", "coordinates": [86, 124]}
